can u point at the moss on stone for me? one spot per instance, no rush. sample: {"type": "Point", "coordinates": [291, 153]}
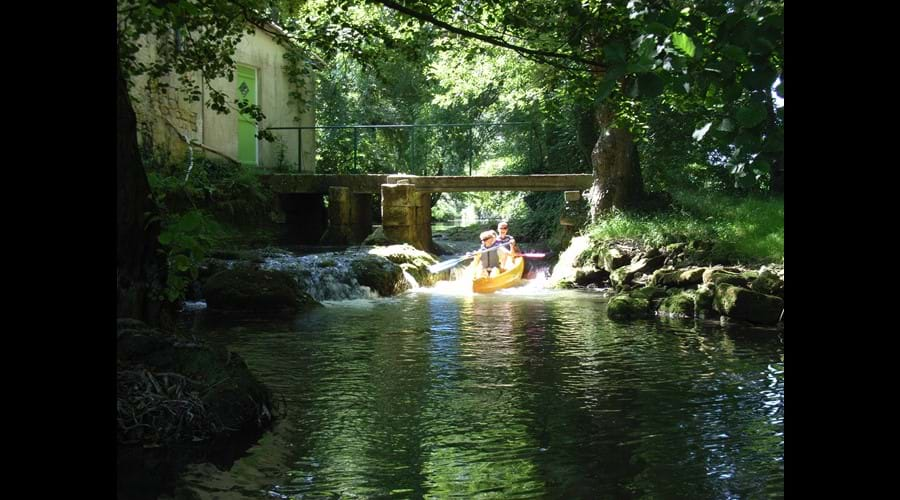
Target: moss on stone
{"type": "Point", "coordinates": [768, 283]}
{"type": "Point", "coordinates": [411, 260]}
{"type": "Point", "coordinates": [252, 289]}
{"type": "Point", "coordinates": [680, 304]}
{"type": "Point", "coordinates": [743, 304]}
{"type": "Point", "coordinates": [649, 293]}
{"type": "Point", "coordinates": [703, 300]}
{"type": "Point", "coordinates": [379, 274]}
{"type": "Point", "coordinates": [625, 307]}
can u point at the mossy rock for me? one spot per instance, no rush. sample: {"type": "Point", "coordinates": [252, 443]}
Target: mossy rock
{"type": "Point", "coordinates": [714, 276]}
{"type": "Point", "coordinates": [625, 307]}
{"type": "Point", "coordinates": [612, 257]}
{"type": "Point", "coordinates": [704, 300]}
{"type": "Point", "coordinates": [681, 278]}
{"type": "Point", "coordinates": [411, 260]}
{"type": "Point", "coordinates": [680, 305]}
{"type": "Point", "coordinates": [743, 304]}
{"type": "Point", "coordinates": [622, 277]}
{"type": "Point", "coordinates": [379, 274]}
{"type": "Point", "coordinates": [252, 289]}
{"type": "Point", "coordinates": [591, 276]}
{"type": "Point", "coordinates": [768, 283]}
{"type": "Point", "coordinates": [650, 293]}
{"type": "Point", "coordinates": [565, 284]}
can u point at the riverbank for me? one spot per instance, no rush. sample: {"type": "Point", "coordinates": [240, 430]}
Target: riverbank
{"type": "Point", "coordinates": [702, 255]}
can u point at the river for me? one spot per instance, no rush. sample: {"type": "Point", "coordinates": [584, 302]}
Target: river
{"type": "Point", "coordinates": [525, 393]}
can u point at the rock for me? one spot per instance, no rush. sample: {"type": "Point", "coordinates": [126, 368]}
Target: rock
{"type": "Point", "coordinates": [743, 304]}
{"type": "Point", "coordinates": [680, 305]}
{"type": "Point", "coordinates": [716, 275]}
{"type": "Point", "coordinates": [624, 306]}
{"type": "Point", "coordinates": [612, 258]}
{"type": "Point", "coordinates": [411, 260]}
{"type": "Point", "coordinates": [768, 283]}
{"type": "Point", "coordinates": [650, 293]}
{"type": "Point", "coordinates": [681, 278]}
{"type": "Point", "coordinates": [379, 274]}
{"type": "Point", "coordinates": [703, 301]}
{"type": "Point", "coordinates": [251, 289]}
{"type": "Point", "coordinates": [622, 276]}
{"type": "Point", "coordinates": [585, 276]}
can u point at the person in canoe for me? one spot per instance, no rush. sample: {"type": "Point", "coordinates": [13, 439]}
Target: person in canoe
{"type": "Point", "coordinates": [492, 257]}
{"type": "Point", "coordinates": [504, 237]}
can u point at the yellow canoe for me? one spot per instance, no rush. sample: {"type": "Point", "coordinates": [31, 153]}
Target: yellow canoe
{"type": "Point", "coordinates": [502, 280]}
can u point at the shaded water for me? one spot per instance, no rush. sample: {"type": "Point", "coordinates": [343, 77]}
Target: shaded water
{"type": "Point", "coordinates": [526, 393]}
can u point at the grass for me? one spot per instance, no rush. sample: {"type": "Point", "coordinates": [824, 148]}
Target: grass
{"type": "Point", "coordinates": [745, 229]}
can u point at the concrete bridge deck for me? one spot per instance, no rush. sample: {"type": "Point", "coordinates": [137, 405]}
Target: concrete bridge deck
{"type": "Point", "coordinates": [371, 183]}
{"type": "Point", "coordinates": [405, 200]}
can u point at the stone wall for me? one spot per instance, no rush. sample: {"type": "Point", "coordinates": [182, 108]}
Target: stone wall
{"type": "Point", "coordinates": [166, 121]}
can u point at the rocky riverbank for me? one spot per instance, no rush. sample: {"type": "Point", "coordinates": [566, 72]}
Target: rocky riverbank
{"type": "Point", "coordinates": [678, 280]}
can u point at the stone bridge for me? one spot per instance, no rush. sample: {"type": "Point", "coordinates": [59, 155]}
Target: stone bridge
{"type": "Point", "coordinates": [405, 200]}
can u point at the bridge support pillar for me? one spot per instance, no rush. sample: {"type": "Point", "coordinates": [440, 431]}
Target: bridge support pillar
{"type": "Point", "coordinates": [349, 217]}
{"type": "Point", "coordinates": [406, 215]}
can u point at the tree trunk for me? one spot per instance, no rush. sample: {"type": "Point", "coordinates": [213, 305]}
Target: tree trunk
{"type": "Point", "coordinates": [140, 267]}
{"type": "Point", "coordinates": [617, 174]}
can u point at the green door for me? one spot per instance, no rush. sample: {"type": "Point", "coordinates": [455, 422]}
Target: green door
{"type": "Point", "coordinates": [246, 90]}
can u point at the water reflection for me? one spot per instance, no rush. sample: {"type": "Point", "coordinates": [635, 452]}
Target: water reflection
{"type": "Point", "coordinates": [525, 394]}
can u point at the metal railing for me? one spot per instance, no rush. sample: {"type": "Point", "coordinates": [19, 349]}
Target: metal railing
{"type": "Point", "coordinates": [412, 142]}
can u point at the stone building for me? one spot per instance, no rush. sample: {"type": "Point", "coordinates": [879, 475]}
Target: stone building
{"type": "Point", "coordinates": [169, 124]}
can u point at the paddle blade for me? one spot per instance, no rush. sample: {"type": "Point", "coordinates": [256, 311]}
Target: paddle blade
{"type": "Point", "coordinates": [447, 264]}
{"type": "Point", "coordinates": [534, 255]}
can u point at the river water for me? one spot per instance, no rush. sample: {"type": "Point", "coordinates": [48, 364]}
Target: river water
{"type": "Point", "coordinates": [525, 393]}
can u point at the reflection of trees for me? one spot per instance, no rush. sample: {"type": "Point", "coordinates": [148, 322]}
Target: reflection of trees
{"type": "Point", "coordinates": [477, 441]}
{"type": "Point", "coordinates": [441, 396]}
{"type": "Point", "coordinates": [705, 430]}
{"type": "Point", "coordinates": [356, 422]}
{"type": "Point", "coordinates": [577, 401]}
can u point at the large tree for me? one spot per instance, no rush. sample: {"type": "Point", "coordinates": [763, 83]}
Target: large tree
{"type": "Point", "coordinates": [721, 58]}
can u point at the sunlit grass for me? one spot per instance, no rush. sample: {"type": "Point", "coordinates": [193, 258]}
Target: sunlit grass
{"type": "Point", "coordinates": [744, 229]}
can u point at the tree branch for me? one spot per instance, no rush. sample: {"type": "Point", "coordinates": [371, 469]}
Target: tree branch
{"type": "Point", "coordinates": [541, 55]}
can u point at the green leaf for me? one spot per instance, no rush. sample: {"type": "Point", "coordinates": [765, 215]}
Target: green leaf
{"type": "Point", "coordinates": [657, 28]}
{"type": "Point", "coordinates": [609, 81]}
{"type": "Point", "coordinates": [751, 115]}
{"type": "Point", "coordinates": [683, 43]}
{"type": "Point", "coordinates": [181, 262]}
{"type": "Point", "coordinates": [614, 52]}
{"type": "Point", "coordinates": [734, 53]}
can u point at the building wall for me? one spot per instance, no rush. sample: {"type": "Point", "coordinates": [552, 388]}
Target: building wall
{"type": "Point", "coordinates": [164, 119]}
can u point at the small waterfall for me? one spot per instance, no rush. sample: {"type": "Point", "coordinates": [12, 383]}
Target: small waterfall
{"type": "Point", "coordinates": [324, 276]}
{"type": "Point", "coordinates": [413, 284]}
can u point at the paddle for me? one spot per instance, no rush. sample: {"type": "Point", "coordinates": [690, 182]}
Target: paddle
{"type": "Point", "coordinates": [447, 264]}
{"type": "Point", "coordinates": [531, 255]}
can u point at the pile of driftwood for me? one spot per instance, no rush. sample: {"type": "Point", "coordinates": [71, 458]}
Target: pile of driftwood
{"type": "Point", "coordinates": [160, 408]}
